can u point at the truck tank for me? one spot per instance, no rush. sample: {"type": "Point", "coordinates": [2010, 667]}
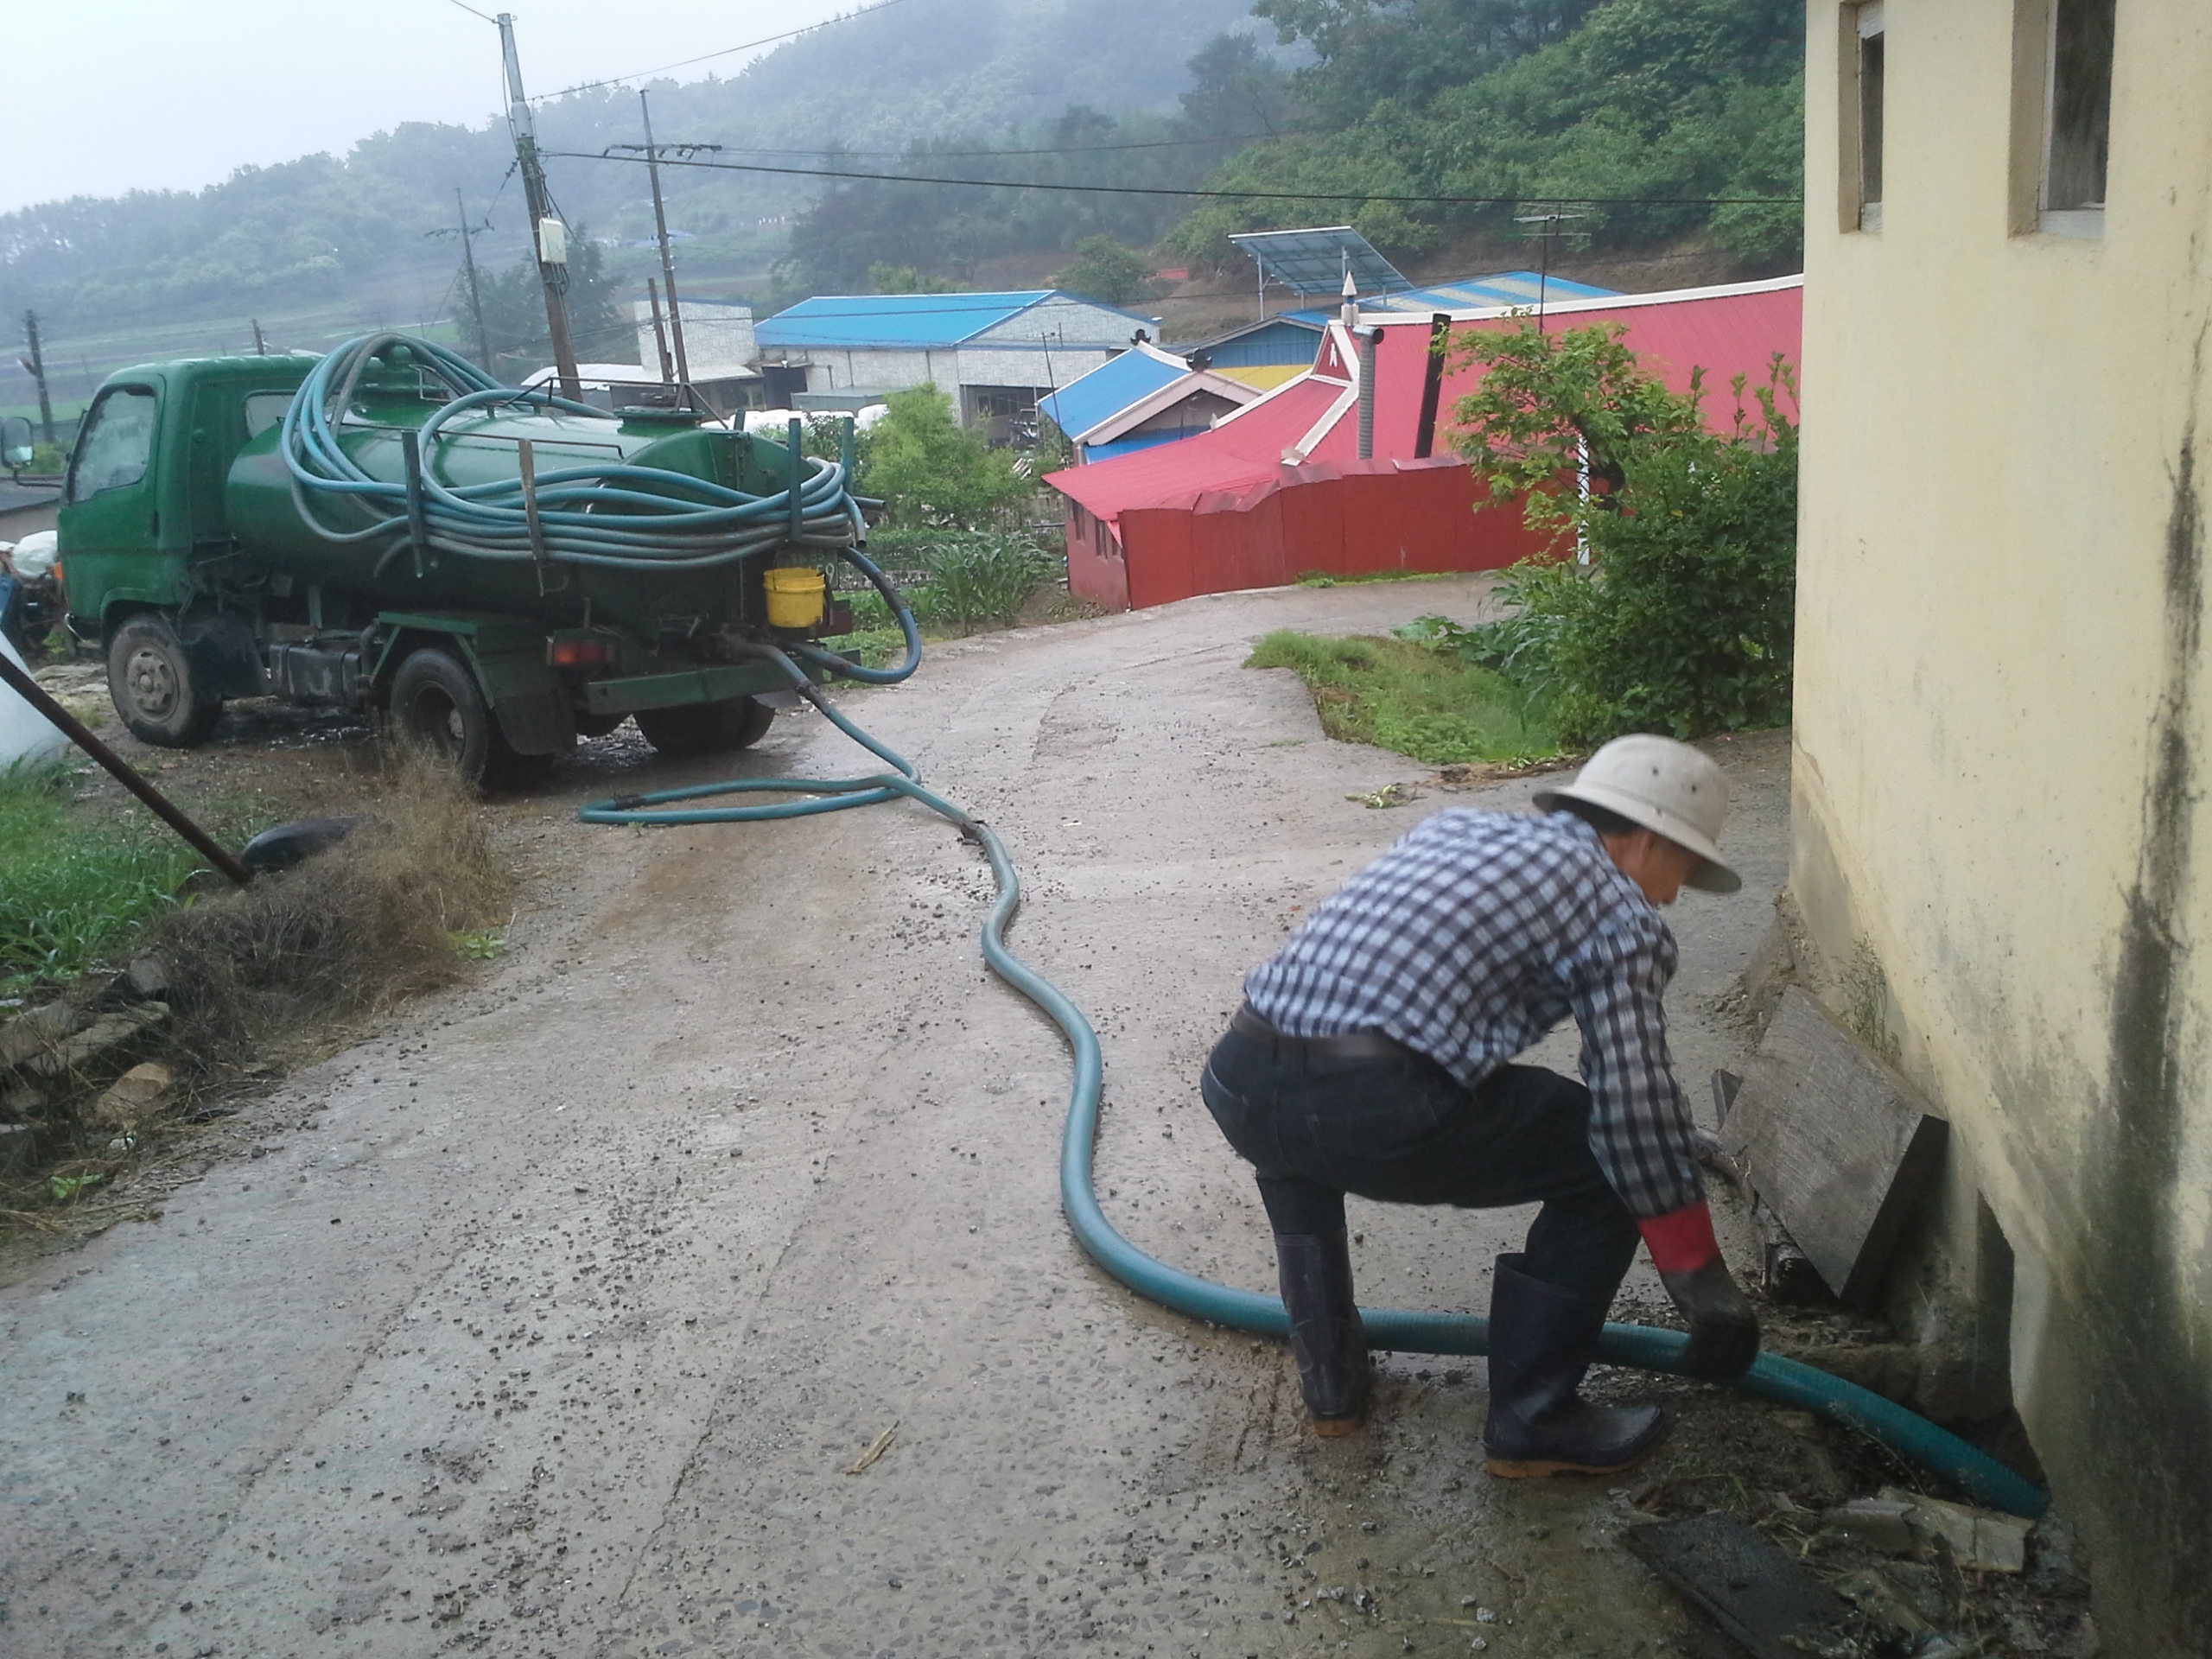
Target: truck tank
{"type": "Point", "coordinates": [643, 520]}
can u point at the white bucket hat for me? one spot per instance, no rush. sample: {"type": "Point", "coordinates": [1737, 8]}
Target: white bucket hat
{"type": "Point", "coordinates": [1667, 787]}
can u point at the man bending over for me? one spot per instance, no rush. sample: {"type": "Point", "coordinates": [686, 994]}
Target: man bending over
{"type": "Point", "coordinates": [1372, 1055]}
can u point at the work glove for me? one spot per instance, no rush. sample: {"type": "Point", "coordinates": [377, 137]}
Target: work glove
{"type": "Point", "coordinates": [1723, 1331]}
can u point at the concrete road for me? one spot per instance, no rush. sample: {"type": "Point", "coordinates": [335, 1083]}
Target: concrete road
{"type": "Point", "coordinates": [555, 1318]}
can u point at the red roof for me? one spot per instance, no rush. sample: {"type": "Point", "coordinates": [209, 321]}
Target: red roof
{"type": "Point", "coordinates": [1726, 331]}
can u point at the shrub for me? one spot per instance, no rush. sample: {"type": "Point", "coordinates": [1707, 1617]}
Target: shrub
{"type": "Point", "coordinates": [930, 470]}
{"type": "Point", "coordinates": [1683, 619]}
{"type": "Point", "coordinates": [976, 579]}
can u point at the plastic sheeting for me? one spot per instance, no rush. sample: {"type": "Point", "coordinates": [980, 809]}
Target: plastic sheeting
{"type": "Point", "coordinates": [26, 735]}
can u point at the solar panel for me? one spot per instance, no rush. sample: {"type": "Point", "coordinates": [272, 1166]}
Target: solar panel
{"type": "Point", "coordinates": [1314, 261]}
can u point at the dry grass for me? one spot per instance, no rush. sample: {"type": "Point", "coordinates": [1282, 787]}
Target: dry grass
{"type": "Point", "coordinates": [271, 968]}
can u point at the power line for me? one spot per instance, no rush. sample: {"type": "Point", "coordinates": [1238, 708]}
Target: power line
{"type": "Point", "coordinates": [472, 12]}
{"type": "Point", "coordinates": [685, 63]}
{"type": "Point", "coordinates": [1207, 195]}
{"type": "Point", "coordinates": [1052, 150]}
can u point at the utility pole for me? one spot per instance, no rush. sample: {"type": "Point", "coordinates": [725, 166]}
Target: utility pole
{"type": "Point", "coordinates": [35, 366]}
{"type": "Point", "coordinates": [660, 335]}
{"type": "Point", "coordinates": [547, 232]}
{"type": "Point", "coordinates": [475, 295]}
{"type": "Point", "coordinates": [1549, 235]}
{"type": "Point", "coordinates": [260, 345]}
{"type": "Point", "coordinates": [651, 153]}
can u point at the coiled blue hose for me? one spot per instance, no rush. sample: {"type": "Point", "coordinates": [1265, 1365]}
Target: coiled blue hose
{"type": "Point", "coordinates": [1641, 1347]}
{"type": "Point", "coordinates": [616, 515]}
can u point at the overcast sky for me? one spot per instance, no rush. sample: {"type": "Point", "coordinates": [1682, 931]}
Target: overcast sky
{"type": "Point", "coordinates": [105, 96]}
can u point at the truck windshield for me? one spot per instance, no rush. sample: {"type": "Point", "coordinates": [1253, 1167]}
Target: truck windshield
{"type": "Point", "coordinates": [117, 445]}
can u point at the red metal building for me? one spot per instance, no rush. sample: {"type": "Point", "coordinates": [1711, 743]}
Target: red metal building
{"type": "Point", "coordinates": [1277, 490]}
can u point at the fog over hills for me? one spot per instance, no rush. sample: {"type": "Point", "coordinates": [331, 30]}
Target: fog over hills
{"type": "Point", "coordinates": [326, 244]}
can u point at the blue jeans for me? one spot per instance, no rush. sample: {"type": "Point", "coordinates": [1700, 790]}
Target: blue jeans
{"type": "Point", "coordinates": [1402, 1130]}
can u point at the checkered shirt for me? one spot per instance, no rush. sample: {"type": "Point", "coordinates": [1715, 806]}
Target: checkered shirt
{"type": "Point", "coordinates": [1470, 939]}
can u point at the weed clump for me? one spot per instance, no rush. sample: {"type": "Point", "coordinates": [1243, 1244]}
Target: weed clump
{"type": "Point", "coordinates": [1399, 695]}
{"type": "Point", "coordinates": [362, 925]}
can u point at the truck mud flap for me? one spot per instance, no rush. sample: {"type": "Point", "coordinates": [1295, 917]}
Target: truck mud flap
{"type": "Point", "coordinates": [535, 722]}
{"type": "Point", "coordinates": [225, 662]}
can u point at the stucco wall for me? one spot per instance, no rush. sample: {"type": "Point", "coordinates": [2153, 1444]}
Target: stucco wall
{"type": "Point", "coordinates": [2002, 731]}
{"type": "Point", "coordinates": [871, 370]}
{"type": "Point", "coordinates": [1001, 365]}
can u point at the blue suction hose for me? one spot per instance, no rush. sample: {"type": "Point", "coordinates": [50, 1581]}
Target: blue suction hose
{"type": "Point", "coordinates": [1640, 1347]}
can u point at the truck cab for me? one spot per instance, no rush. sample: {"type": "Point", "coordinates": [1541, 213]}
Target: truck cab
{"type": "Point", "coordinates": [143, 535]}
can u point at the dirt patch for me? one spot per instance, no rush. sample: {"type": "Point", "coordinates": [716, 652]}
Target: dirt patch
{"type": "Point", "coordinates": [387, 914]}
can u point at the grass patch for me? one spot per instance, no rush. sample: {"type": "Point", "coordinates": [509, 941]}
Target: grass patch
{"type": "Point", "coordinates": [1327, 579]}
{"type": "Point", "coordinates": [1398, 694]}
{"type": "Point", "coordinates": [393, 910]}
{"type": "Point", "coordinates": [74, 886]}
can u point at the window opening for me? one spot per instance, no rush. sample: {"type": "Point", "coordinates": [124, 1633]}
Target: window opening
{"type": "Point", "coordinates": [117, 445]}
{"type": "Point", "coordinates": [2077, 125]}
{"type": "Point", "coordinates": [1871, 42]}
{"type": "Point", "coordinates": [264, 409]}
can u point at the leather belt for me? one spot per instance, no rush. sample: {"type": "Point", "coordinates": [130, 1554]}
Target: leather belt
{"type": "Point", "coordinates": [1348, 1045]}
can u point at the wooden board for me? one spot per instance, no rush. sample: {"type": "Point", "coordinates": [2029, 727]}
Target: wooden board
{"type": "Point", "coordinates": [1836, 1143]}
{"type": "Point", "coordinates": [1743, 1583]}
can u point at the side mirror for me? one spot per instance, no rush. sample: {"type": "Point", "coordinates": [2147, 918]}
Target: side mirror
{"type": "Point", "coordinates": [15, 457]}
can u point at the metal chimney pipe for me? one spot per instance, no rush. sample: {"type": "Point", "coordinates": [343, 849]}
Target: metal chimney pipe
{"type": "Point", "coordinates": [1432, 383]}
{"type": "Point", "coordinates": [1371, 342]}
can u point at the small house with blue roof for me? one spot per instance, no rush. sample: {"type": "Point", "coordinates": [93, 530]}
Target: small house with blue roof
{"type": "Point", "coordinates": [1142, 397]}
{"type": "Point", "coordinates": [995, 354]}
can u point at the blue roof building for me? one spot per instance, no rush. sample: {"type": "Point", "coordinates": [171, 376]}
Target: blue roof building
{"type": "Point", "coordinates": [996, 354]}
{"type": "Point", "coordinates": [1142, 397]}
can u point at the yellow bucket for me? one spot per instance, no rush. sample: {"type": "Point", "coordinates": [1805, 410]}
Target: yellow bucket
{"type": "Point", "coordinates": [797, 598]}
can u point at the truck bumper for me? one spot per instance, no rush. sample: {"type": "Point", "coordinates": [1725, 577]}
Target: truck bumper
{"type": "Point", "coordinates": [715, 683]}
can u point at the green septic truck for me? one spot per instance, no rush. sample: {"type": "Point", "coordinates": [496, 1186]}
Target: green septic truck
{"type": "Point", "coordinates": [498, 571]}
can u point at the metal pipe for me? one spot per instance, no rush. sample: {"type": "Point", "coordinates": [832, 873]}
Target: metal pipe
{"type": "Point", "coordinates": [798, 476]}
{"type": "Point", "coordinates": [418, 512]}
{"type": "Point", "coordinates": [1371, 340]}
{"type": "Point", "coordinates": [20, 682]}
{"type": "Point", "coordinates": [1432, 383]}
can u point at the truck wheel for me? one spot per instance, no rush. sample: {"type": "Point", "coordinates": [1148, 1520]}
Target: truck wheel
{"type": "Point", "coordinates": [438, 709]}
{"type": "Point", "coordinates": [706, 728]}
{"type": "Point", "coordinates": [149, 678]}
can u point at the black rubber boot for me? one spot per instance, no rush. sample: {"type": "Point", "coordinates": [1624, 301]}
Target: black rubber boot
{"type": "Point", "coordinates": [1315, 1270]}
{"type": "Point", "coordinates": [1543, 1338]}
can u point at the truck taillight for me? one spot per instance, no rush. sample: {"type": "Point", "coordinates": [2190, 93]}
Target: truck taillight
{"type": "Point", "coordinates": [580, 653]}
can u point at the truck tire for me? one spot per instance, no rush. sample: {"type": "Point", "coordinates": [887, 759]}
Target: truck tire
{"type": "Point", "coordinates": [149, 678]}
{"type": "Point", "coordinates": [438, 709]}
{"type": "Point", "coordinates": [706, 728]}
